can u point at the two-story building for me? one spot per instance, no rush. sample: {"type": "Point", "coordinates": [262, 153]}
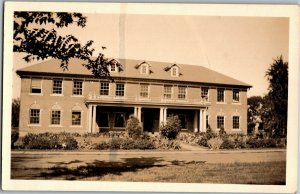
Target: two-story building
{"type": "Point", "coordinates": [53, 100]}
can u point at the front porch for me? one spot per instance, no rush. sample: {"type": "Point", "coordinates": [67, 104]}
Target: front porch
{"type": "Point", "coordinates": [103, 118]}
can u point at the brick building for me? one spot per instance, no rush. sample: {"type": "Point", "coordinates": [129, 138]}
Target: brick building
{"type": "Point", "coordinates": [53, 100]}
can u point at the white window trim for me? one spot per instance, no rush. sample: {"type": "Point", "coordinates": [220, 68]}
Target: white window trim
{"type": "Point", "coordinates": [240, 119]}
{"type": "Point", "coordinates": [224, 94]}
{"type": "Point", "coordinates": [36, 94]}
{"type": "Point", "coordinates": [147, 69]}
{"type": "Point", "coordinates": [207, 93]}
{"type": "Point", "coordinates": [186, 93]}
{"type": "Point", "coordinates": [224, 121]}
{"type": "Point", "coordinates": [109, 90]}
{"type": "Point", "coordinates": [172, 95]}
{"type": "Point", "coordinates": [234, 101]}
{"type": "Point", "coordinates": [80, 118]}
{"type": "Point", "coordinates": [142, 97]}
{"type": "Point", "coordinates": [40, 119]}
{"type": "Point", "coordinates": [74, 95]}
{"type": "Point", "coordinates": [62, 88]}
{"type": "Point", "coordinates": [177, 71]}
{"type": "Point", "coordinates": [116, 68]}
{"type": "Point", "coordinates": [60, 119]}
{"type": "Point", "coordinates": [124, 90]}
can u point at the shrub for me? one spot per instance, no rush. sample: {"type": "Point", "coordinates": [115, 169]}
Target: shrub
{"type": "Point", "coordinates": [50, 141]}
{"type": "Point", "coordinates": [215, 143]}
{"type": "Point", "coordinates": [206, 136]}
{"type": "Point", "coordinates": [171, 129]}
{"type": "Point", "coordinates": [144, 144]}
{"type": "Point", "coordinates": [166, 144]}
{"type": "Point", "coordinates": [133, 127]}
{"type": "Point", "coordinates": [102, 145]}
{"type": "Point", "coordinates": [14, 137]}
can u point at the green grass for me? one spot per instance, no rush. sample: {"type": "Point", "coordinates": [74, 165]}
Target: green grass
{"type": "Point", "coordinates": [272, 173]}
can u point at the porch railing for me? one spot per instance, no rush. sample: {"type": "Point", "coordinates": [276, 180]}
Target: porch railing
{"type": "Point", "coordinates": [148, 100]}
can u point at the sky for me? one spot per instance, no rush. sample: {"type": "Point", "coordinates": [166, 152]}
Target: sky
{"type": "Point", "coordinates": [240, 47]}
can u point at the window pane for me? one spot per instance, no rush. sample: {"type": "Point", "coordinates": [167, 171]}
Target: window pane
{"type": "Point", "coordinates": [36, 86]}
{"type": "Point", "coordinates": [76, 118]}
{"type": "Point", "coordinates": [104, 89]}
{"type": "Point", "coordinates": [174, 71]}
{"type": "Point", "coordinates": [220, 122]}
{"type": "Point", "coordinates": [144, 69]}
{"type": "Point", "coordinates": [119, 120]}
{"type": "Point", "coordinates": [236, 122]}
{"type": "Point", "coordinates": [34, 116]}
{"type": "Point", "coordinates": [57, 87]}
{"type": "Point", "coordinates": [119, 89]}
{"type": "Point", "coordinates": [55, 117]}
{"type": "Point", "coordinates": [77, 87]}
{"type": "Point", "coordinates": [220, 95]}
{"type": "Point", "coordinates": [168, 92]}
{"type": "Point", "coordinates": [236, 95]}
{"type": "Point", "coordinates": [112, 67]}
{"type": "Point", "coordinates": [144, 90]}
{"type": "Point", "coordinates": [181, 92]}
{"type": "Point", "coordinates": [204, 93]}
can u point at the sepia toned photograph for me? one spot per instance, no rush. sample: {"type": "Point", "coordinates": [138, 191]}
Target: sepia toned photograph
{"type": "Point", "coordinates": [150, 94]}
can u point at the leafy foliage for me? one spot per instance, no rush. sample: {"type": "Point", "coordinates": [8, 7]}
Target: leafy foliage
{"type": "Point", "coordinates": [215, 143]}
{"type": "Point", "coordinates": [14, 137]}
{"type": "Point", "coordinates": [277, 97]}
{"type": "Point", "coordinates": [50, 141]}
{"type": "Point", "coordinates": [15, 112]}
{"type": "Point", "coordinates": [171, 129]}
{"type": "Point", "coordinates": [31, 36]}
{"type": "Point", "coordinates": [133, 127]}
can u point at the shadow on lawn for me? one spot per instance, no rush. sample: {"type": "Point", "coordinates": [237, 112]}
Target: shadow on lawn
{"type": "Point", "coordinates": [100, 168]}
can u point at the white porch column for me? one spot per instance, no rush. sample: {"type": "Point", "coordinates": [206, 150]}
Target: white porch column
{"type": "Point", "coordinates": [165, 115]}
{"type": "Point", "coordinates": [94, 119]}
{"type": "Point", "coordinates": [135, 113]}
{"type": "Point", "coordinates": [161, 116]}
{"type": "Point", "coordinates": [196, 121]}
{"type": "Point", "coordinates": [90, 107]}
{"type": "Point", "coordinates": [200, 121]}
{"type": "Point", "coordinates": [204, 120]}
{"type": "Point", "coordinates": [139, 113]}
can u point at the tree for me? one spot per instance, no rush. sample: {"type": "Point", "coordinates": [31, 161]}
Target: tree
{"type": "Point", "coordinates": [255, 104]}
{"type": "Point", "coordinates": [15, 111]}
{"type": "Point", "coordinates": [32, 37]}
{"type": "Point", "coordinates": [277, 96]}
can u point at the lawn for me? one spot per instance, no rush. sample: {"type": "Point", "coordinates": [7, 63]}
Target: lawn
{"type": "Point", "coordinates": [272, 173]}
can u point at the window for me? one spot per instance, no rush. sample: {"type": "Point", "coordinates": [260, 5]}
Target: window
{"type": "Point", "coordinates": [174, 71]}
{"type": "Point", "coordinates": [220, 122]}
{"type": "Point", "coordinates": [220, 97]}
{"type": "Point", "coordinates": [144, 69]}
{"type": "Point", "coordinates": [144, 90]}
{"type": "Point", "coordinates": [113, 67]}
{"type": "Point", "coordinates": [236, 95]}
{"type": "Point", "coordinates": [103, 119]}
{"type": "Point", "coordinates": [36, 87]}
{"type": "Point", "coordinates": [55, 117]}
{"type": "Point", "coordinates": [204, 93]}
{"type": "Point", "coordinates": [236, 122]}
{"type": "Point", "coordinates": [168, 92]}
{"type": "Point", "coordinates": [57, 87]}
{"type": "Point", "coordinates": [34, 116]}
{"type": "Point", "coordinates": [104, 89]}
{"type": "Point", "coordinates": [76, 118]}
{"type": "Point", "coordinates": [119, 89]}
{"type": "Point", "coordinates": [119, 120]}
{"type": "Point", "coordinates": [77, 88]}
{"type": "Point", "coordinates": [181, 92]}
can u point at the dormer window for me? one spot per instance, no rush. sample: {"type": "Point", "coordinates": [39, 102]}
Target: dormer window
{"type": "Point", "coordinates": [144, 69]}
{"type": "Point", "coordinates": [112, 67]}
{"type": "Point", "coordinates": [174, 71]}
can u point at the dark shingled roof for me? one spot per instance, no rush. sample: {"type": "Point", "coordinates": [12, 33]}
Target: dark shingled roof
{"type": "Point", "coordinates": [188, 73]}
